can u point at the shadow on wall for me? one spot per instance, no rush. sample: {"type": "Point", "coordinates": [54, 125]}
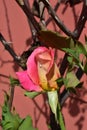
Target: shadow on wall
{"type": "Point", "coordinates": [77, 108]}
{"type": "Point", "coordinates": [42, 110]}
{"type": "Point", "coordinates": [74, 105]}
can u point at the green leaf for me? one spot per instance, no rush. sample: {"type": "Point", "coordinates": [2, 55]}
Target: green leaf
{"type": "Point", "coordinates": [55, 107]}
{"type": "Point", "coordinates": [12, 121]}
{"type": "Point", "coordinates": [76, 50]}
{"type": "Point", "coordinates": [9, 121]}
{"type": "Point", "coordinates": [27, 124]}
{"type": "Point", "coordinates": [31, 94]}
{"type": "Point", "coordinates": [53, 101]}
{"type": "Point", "coordinates": [60, 82]}
{"type": "Point", "coordinates": [54, 39]}
{"type": "Point", "coordinates": [71, 80]}
{"type": "Point", "coordinates": [14, 81]}
{"type": "Point", "coordinates": [70, 59]}
{"type": "Point", "coordinates": [74, 56]}
{"type": "Point", "coordinates": [60, 118]}
{"type": "Point", "coordinates": [80, 48]}
{"type": "Point", "coordinates": [72, 53]}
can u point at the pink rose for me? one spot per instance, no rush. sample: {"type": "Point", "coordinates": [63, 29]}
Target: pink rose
{"type": "Point", "coordinates": [42, 71]}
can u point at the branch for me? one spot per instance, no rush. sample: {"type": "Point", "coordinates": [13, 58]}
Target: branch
{"type": "Point", "coordinates": [78, 30]}
{"type": "Point", "coordinates": [81, 22]}
{"type": "Point", "coordinates": [56, 18]}
{"type": "Point", "coordinates": [19, 60]}
{"type": "Point", "coordinates": [33, 30]}
{"type": "Point", "coordinates": [29, 14]}
{"type": "Point", "coordinates": [55, 9]}
{"type": "Point", "coordinates": [9, 49]}
{"type": "Point", "coordinates": [11, 97]}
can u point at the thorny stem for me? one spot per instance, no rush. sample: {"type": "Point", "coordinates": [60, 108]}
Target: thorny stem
{"type": "Point", "coordinates": [56, 18]}
{"type": "Point", "coordinates": [75, 34]}
{"type": "Point", "coordinates": [16, 58]}
{"type": "Point", "coordinates": [33, 30]}
{"type": "Point", "coordinates": [55, 9]}
{"type": "Point", "coordinates": [19, 60]}
{"type": "Point", "coordinates": [29, 15]}
{"type": "Point", "coordinates": [8, 48]}
{"type": "Point", "coordinates": [81, 22]}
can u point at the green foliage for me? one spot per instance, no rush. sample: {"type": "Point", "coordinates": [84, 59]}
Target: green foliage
{"type": "Point", "coordinates": [60, 82]}
{"type": "Point", "coordinates": [60, 117]}
{"type": "Point", "coordinates": [14, 81]}
{"type": "Point", "coordinates": [9, 121]}
{"type": "Point", "coordinates": [73, 47]}
{"type": "Point", "coordinates": [55, 107]}
{"type": "Point", "coordinates": [55, 40]}
{"type": "Point", "coordinates": [12, 121]}
{"type": "Point", "coordinates": [27, 124]}
{"type": "Point", "coordinates": [31, 94]}
{"type": "Point", "coordinates": [74, 56]}
{"type": "Point", "coordinates": [53, 101]}
{"type": "Point", "coordinates": [71, 80]}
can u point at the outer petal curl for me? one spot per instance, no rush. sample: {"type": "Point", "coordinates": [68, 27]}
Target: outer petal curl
{"type": "Point", "coordinates": [26, 82]}
{"type": "Point", "coordinates": [32, 66]}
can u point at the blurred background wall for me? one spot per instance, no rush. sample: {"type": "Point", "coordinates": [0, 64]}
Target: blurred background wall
{"type": "Point", "coordinates": [15, 28]}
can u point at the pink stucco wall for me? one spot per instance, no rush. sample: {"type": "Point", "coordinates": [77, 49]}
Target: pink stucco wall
{"type": "Point", "coordinates": [15, 28]}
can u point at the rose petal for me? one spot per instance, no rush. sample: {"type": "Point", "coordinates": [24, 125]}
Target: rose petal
{"type": "Point", "coordinates": [46, 59]}
{"type": "Point", "coordinates": [31, 64]}
{"type": "Point", "coordinates": [52, 58]}
{"type": "Point", "coordinates": [45, 55]}
{"type": "Point", "coordinates": [42, 76]}
{"type": "Point", "coordinates": [52, 76]}
{"type": "Point", "coordinates": [26, 83]}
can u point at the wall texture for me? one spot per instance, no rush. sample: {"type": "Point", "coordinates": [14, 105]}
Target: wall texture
{"type": "Point", "coordinates": [15, 29]}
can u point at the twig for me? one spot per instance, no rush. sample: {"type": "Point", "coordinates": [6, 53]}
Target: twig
{"type": "Point", "coordinates": [56, 18]}
{"type": "Point", "coordinates": [81, 22]}
{"type": "Point", "coordinates": [5, 76]}
{"type": "Point", "coordinates": [8, 48]}
{"type": "Point", "coordinates": [33, 30]}
{"type": "Point", "coordinates": [55, 9]}
{"type": "Point", "coordinates": [74, 35]}
{"type": "Point", "coordinates": [29, 15]}
{"type": "Point", "coordinates": [16, 58]}
{"type": "Point", "coordinates": [78, 29]}
{"type": "Point", "coordinates": [19, 60]}
{"type": "Point", "coordinates": [11, 97]}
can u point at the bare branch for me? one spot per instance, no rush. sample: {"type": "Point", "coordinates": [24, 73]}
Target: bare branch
{"type": "Point", "coordinates": [29, 15]}
{"type": "Point", "coordinates": [19, 60]}
{"type": "Point", "coordinates": [8, 48]}
{"type": "Point", "coordinates": [55, 9]}
{"type": "Point", "coordinates": [81, 22]}
{"type": "Point", "coordinates": [12, 89]}
{"type": "Point", "coordinates": [56, 18]}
